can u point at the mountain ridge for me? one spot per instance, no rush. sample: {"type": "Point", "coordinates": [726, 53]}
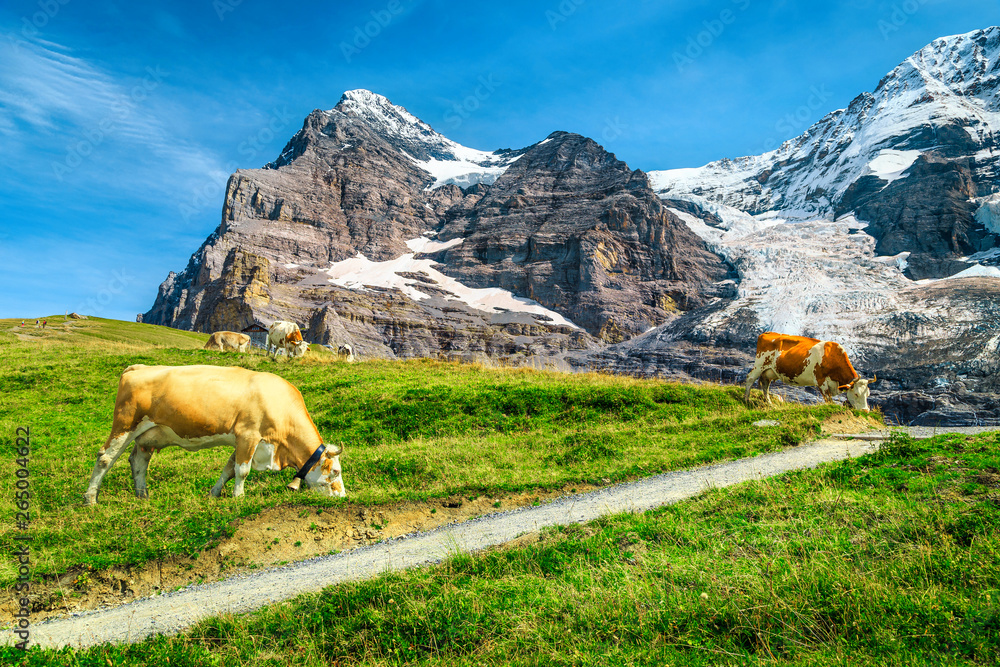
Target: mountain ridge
{"type": "Point", "coordinates": [363, 185]}
{"type": "Point", "coordinates": [877, 227]}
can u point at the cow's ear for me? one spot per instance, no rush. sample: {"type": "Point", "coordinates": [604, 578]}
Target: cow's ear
{"type": "Point", "coordinates": [846, 387]}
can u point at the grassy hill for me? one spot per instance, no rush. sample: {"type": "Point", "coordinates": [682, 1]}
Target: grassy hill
{"type": "Point", "coordinates": [412, 431]}
{"type": "Point", "coordinates": [891, 558]}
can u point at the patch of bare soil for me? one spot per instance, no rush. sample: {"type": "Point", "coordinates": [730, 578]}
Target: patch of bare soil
{"type": "Point", "coordinates": [852, 423]}
{"type": "Point", "coordinates": [274, 537]}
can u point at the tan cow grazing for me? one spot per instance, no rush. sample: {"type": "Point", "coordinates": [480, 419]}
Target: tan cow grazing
{"type": "Point", "coordinates": [260, 415]}
{"type": "Point", "coordinates": [285, 336]}
{"type": "Point", "coordinates": [228, 340]}
{"type": "Point", "coordinates": [807, 362]}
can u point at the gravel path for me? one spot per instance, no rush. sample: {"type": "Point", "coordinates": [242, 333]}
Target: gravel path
{"type": "Point", "coordinates": [920, 432]}
{"type": "Point", "coordinates": [173, 612]}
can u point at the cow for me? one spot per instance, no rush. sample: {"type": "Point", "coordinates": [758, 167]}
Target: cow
{"type": "Point", "coordinates": [346, 353]}
{"type": "Point", "coordinates": [807, 362]}
{"type": "Point", "coordinates": [285, 336]}
{"type": "Point", "coordinates": [228, 340]}
{"type": "Point", "coordinates": [260, 415]}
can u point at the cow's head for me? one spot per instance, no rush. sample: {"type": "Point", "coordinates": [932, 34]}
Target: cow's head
{"type": "Point", "coordinates": [299, 349]}
{"type": "Point", "coordinates": [325, 477]}
{"type": "Point", "coordinates": [857, 393]}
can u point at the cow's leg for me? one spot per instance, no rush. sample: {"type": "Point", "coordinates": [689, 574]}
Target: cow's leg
{"type": "Point", "coordinates": [139, 460]}
{"type": "Point", "coordinates": [246, 445]}
{"type": "Point", "coordinates": [765, 386]}
{"type": "Point", "coordinates": [106, 457]}
{"type": "Point", "coordinates": [228, 472]}
{"type": "Point", "coordinates": [751, 378]}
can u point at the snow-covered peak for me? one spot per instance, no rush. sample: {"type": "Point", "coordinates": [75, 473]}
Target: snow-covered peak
{"type": "Point", "coordinates": [943, 97]}
{"type": "Point", "coordinates": [446, 160]}
{"type": "Point", "coordinates": [966, 65]}
{"type": "Point", "coordinates": [390, 120]}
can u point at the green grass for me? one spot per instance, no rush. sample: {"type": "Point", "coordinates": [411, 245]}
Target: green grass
{"type": "Point", "coordinates": [889, 559]}
{"type": "Point", "coordinates": [411, 430]}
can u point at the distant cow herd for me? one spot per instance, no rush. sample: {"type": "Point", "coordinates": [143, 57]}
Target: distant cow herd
{"type": "Point", "coordinates": [282, 336]}
{"type": "Point", "coordinates": [264, 418]}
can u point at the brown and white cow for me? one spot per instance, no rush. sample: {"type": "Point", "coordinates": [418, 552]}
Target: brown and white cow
{"type": "Point", "coordinates": [260, 415]}
{"type": "Point", "coordinates": [228, 340]}
{"type": "Point", "coordinates": [807, 362]}
{"type": "Point", "coordinates": [285, 336]}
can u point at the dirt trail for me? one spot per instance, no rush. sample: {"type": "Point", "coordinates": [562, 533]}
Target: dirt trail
{"type": "Point", "coordinates": [272, 538]}
{"type": "Point", "coordinates": [173, 612]}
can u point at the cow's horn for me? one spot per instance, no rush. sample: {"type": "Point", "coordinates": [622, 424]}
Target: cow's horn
{"type": "Point", "coordinates": [295, 483]}
{"type": "Point", "coordinates": [874, 379]}
{"type": "Point", "coordinates": [334, 450]}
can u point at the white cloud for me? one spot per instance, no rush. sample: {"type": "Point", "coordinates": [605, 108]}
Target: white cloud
{"type": "Point", "coordinates": [72, 114]}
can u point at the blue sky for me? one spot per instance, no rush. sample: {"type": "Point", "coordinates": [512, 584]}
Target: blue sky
{"type": "Point", "coordinates": [120, 121]}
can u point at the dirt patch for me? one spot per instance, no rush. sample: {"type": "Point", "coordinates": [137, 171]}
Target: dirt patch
{"type": "Point", "coordinates": [988, 479]}
{"type": "Point", "coordinates": [851, 423]}
{"type": "Point", "coordinates": [274, 537]}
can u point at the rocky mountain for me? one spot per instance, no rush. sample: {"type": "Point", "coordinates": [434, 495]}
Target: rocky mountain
{"type": "Point", "coordinates": [877, 227]}
{"type": "Point", "coordinates": [372, 228]}
{"type": "Point", "coordinates": [574, 228]}
{"type": "Point", "coordinates": [916, 159]}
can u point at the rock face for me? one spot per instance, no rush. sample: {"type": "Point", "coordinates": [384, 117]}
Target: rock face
{"type": "Point", "coordinates": [575, 229]}
{"type": "Point", "coordinates": [361, 232]}
{"type": "Point", "coordinates": [929, 214]}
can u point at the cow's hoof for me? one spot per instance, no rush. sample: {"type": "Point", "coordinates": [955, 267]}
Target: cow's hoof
{"type": "Point", "coordinates": [142, 494]}
{"type": "Point", "coordinates": [89, 501]}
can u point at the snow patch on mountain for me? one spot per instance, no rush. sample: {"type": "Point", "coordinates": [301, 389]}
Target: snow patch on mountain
{"type": "Point", "coordinates": [988, 214]}
{"type": "Point", "coordinates": [973, 271]}
{"type": "Point", "coordinates": [889, 165]}
{"type": "Point", "coordinates": [427, 244]}
{"type": "Point", "coordinates": [463, 172]}
{"type": "Point", "coordinates": [360, 273]}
